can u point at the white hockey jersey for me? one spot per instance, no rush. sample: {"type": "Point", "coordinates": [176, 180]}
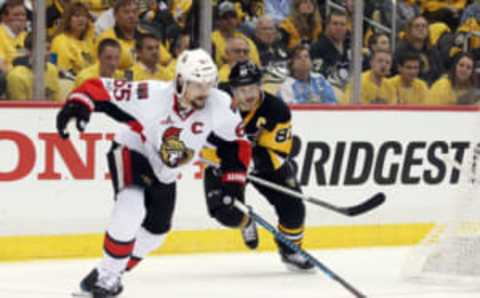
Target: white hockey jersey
{"type": "Point", "coordinates": [156, 128]}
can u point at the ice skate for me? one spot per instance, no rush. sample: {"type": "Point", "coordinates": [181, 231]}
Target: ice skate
{"type": "Point", "coordinates": [250, 234]}
{"type": "Point", "coordinates": [296, 262]}
{"type": "Point", "coordinates": [92, 286]}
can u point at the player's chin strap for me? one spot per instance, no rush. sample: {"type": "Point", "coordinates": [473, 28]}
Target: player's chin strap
{"type": "Point", "coordinates": [280, 237]}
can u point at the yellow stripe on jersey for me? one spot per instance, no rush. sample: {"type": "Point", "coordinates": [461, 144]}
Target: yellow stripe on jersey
{"type": "Point", "coordinates": [279, 139]}
{"type": "Point", "coordinates": [209, 155]}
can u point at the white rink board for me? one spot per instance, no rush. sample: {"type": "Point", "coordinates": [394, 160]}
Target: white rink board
{"type": "Point", "coordinates": [32, 205]}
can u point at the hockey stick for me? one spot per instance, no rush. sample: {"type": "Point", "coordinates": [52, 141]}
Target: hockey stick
{"type": "Point", "coordinates": [257, 218]}
{"type": "Point", "coordinates": [355, 210]}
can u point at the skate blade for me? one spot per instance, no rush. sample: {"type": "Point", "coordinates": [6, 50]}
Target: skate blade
{"type": "Point", "coordinates": [81, 294]}
{"type": "Point", "coordinates": [295, 269]}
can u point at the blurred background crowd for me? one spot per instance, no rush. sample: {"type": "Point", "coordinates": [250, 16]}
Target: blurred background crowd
{"type": "Point", "coordinates": [412, 52]}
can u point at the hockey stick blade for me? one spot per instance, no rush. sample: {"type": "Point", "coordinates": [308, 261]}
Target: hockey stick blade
{"type": "Point", "coordinates": [361, 208]}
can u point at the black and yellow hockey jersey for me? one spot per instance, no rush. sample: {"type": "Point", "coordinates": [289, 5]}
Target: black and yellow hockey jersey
{"type": "Point", "coordinates": [268, 126]}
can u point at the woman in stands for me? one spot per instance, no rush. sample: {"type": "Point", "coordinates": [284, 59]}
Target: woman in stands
{"type": "Point", "coordinates": [458, 86]}
{"type": "Point", "coordinates": [73, 43]}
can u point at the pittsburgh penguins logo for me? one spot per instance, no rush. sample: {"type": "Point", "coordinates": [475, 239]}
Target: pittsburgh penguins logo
{"type": "Point", "coordinates": [173, 151]}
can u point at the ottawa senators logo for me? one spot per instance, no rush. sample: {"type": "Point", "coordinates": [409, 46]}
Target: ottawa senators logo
{"type": "Point", "coordinates": [173, 151]}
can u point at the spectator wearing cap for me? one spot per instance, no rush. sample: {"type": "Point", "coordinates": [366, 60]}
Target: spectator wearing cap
{"type": "Point", "coordinates": [147, 48]}
{"type": "Point", "coordinates": [304, 86]}
{"type": "Point", "coordinates": [20, 78]}
{"type": "Point", "coordinates": [125, 31]}
{"type": "Point", "coordinates": [107, 66]}
{"type": "Point", "coordinates": [228, 27]}
{"type": "Point", "coordinates": [12, 31]}
{"type": "Point", "coordinates": [73, 44]}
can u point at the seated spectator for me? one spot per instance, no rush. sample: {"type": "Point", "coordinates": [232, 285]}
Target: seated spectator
{"type": "Point", "coordinates": [12, 31]}
{"type": "Point", "coordinates": [147, 49]}
{"type": "Point", "coordinates": [304, 86]}
{"type": "Point", "coordinates": [458, 86]}
{"type": "Point", "coordinates": [378, 41]}
{"type": "Point", "coordinates": [237, 51]}
{"type": "Point", "coordinates": [228, 27]}
{"type": "Point", "coordinates": [107, 66]}
{"type": "Point", "coordinates": [409, 89]}
{"type": "Point", "coordinates": [417, 39]}
{"type": "Point", "coordinates": [126, 28]}
{"type": "Point", "coordinates": [273, 54]}
{"type": "Point", "coordinates": [20, 77]}
{"type": "Point", "coordinates": [73, 44]}
{"type": "Point", "coordinates": [270, 47]}
{"type": "Point", "coordinates": [375, 88]}
{"type": "Point", "coordinates": [303, 25]}
{"type": "Point", "coordinates": [331, 53]}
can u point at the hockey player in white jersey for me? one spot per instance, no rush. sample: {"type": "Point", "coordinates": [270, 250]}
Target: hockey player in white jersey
{"type": "Point", "coordinates": [167, 124]}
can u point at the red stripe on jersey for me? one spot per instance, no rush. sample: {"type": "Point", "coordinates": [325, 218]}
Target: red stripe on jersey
{"type": "Point", "coordinates": [94, 89]}
{"type": "Point", "coordinates": [127, 166]}
{"type": "Point", "coordinates": [244, 152]}
{"type": "Point", "coordinates": [117, 249]}
{"type": "Point", "coordinates": [138, 128]}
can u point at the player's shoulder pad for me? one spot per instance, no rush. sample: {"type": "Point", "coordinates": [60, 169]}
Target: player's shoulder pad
{"type": "Point", "coordinates": [276, 108]}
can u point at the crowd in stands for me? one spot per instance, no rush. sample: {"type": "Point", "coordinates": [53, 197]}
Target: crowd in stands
{"type": "Point", "coordinates": [302, 46]}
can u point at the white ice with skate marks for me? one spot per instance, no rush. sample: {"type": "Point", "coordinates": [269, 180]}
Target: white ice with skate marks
{"type": "Point", "coordinates": [375, 272]}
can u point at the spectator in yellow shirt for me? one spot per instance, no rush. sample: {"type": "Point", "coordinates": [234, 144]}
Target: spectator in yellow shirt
{"type": "Point", "coordinates": [125, 30]}
{"type": "Point", "coordinates": [20, 78]}
{"type": "Point", "coordinates": [73, 43]}
{"type": "Point", "coordinates": [108, 53]}
{"type": "Point", "coordinates": [458, 86]}
{"type": "Point", "coordinates": [147, 48]}
{"type": "Point", "coordinates": [409, 89]}
{"type": "Point", "coordinates": [228, 24]}
{"type": "Point", "coordinates": [375, 88]}
{"type": "Point", "coordinates": [12, 31]}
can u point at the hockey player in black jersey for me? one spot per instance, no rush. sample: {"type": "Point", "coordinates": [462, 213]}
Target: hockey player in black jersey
{"type": "Point", "coordinates": [267, 124]}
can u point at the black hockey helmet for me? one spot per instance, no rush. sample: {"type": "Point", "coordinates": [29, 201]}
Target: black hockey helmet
{"type": "Point", "coordinates": [244, 73]}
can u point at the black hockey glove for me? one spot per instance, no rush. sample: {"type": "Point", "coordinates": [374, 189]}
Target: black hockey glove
{"type": "Point", "coordinates": [233, 188]}
{"type": "Point", "coordinates": [71, 110]}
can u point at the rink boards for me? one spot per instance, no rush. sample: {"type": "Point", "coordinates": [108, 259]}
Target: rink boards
{"type": "Point", "coordinates": [56, 196]}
